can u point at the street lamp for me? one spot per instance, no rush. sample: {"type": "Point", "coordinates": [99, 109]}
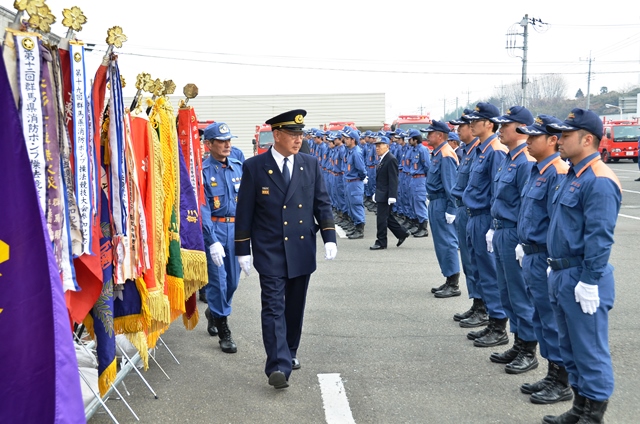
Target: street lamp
{"type": "Point", "coordinates": [617, 107]}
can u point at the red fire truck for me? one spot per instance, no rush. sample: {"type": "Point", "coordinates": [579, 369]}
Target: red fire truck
{"type": "Point", "coordinates": [407, 122]}
{"type": "Point", "coordinates": [263, 139]}
{"type": "Point", "coordinates": [339, 125]}
{"type": "Point", "coordinates": [620, 140]}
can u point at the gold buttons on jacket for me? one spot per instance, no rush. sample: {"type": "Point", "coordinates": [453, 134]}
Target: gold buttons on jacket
{"type": "Point", "coordinates": [286, 238]}
{"type": "Point", "coordinates": [301, 221]}
{"type": "Point", "coordinates": [300, 205]}
{"type": "Point", "coordinates": [285, 222]}
{"type": "Point", "coordinates": [284, 207]}
{"type": "Point", "coordinates": [301, 237]}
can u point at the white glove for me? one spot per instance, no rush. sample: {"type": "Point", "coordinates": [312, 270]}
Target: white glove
{"type": "Point", "coordinates": [587, 296]}
{"type": "Point", "coordinates": [217, 253]}
{"type": "Point", "coordinates": [330, 251]}
{"type": "Point", "coordinates": [489, 238]}
{"type": "Point", "coordinates": [519, 254]}
{"type": "Point", "coordinates": [245, 263]}
{"type": "Point", "coordinates": [450, 218]}
{"type": "Point", "coordinates": [391, 201]}
{"type": "Point", "coordinates": [366, 180]}
{"type": "Point", "coordinates": [548, 271]}
{"type": "Point", "coordinates": [373, 198]}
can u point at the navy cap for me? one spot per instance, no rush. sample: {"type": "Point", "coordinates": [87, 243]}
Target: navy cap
{"type": "Point", "coordinates": [462, 120]}
{"type": "Point", "coordinates": [437, 126]}
{"type": "Point", "coordinates": [539, 126]}
{"type": "Point", "coordinates": [292, 120]}
{"type": "Point", "coordinates": [331, 136]}
{"type": "Point", "coordinates": [382, 139]}
{"type": "Point", "coordinates": [518, 114]}
{"type": "Point", "coordinates": [319, 133]}
{"type": "Point", "coordinates": [351, 133]}
{"type": "Point", "coordinates": [218, 131]}
{"type": "Point", "coordinates": [579, 119]}
{"type": "Point", "coordinates": [453, 136]}
{"type": "Point", "coordinates": [412, 133]}
{"type": "Point", "coordinates": [483, 111]}
{"type": "Point", "coordinates": [368, 133]}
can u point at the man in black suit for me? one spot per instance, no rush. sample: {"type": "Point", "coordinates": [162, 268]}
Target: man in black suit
{"type": "Point", "coordinates": [281, 194]}
{"type": "Point", "coordinates": [386, 195]}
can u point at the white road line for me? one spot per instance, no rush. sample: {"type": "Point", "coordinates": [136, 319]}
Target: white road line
{"type": "Point", "coordinates": [340, 232]}
{"type": "Point", "coordinates": [631, 191]}
{"type": "Point", "coordinates": [629, 216]}
{"type": "Point", "coordinates": [334, 400]}
{"type": "Point", "coordinates": [624, 170]}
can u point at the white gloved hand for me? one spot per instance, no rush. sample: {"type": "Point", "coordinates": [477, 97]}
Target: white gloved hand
{"type": "Point", "coordinates": [217, 253]}
{"type": "Point", "coordinates": [489, 239]}
{"type": "Point", "coordinates": [373, 198]}
{"type": "Point", "coordinates": [391, 201]}
{"type": "Point", "coordinates": [245, 263]}
{"type": "Point", "coordinates": [366, 180]}
{"type": "Point", "coordinates": [330, 251]}
{"type": "Point", "coordinates": [587, 296]}
{"type": "Point", "coordinates": [519, 254]}
{"type": "Point", "coordinates": [548, 271]}
{"type": "Point", "coordinates": [450, 218]}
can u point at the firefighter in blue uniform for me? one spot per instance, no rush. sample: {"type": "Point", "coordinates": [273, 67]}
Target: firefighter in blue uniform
{"type": "Point", "coordinates": [477, 199]}
{"type": "Point", "coordinates": [476, 315]}
{"type": "Point", "coordinates": [281, 198]}
{"type": "Point", "coordinates": [370, 161]}
{"type": "Point", "coordinates": [419, 162]}
{"type": "Point", "coordinates": [533, 224]}
{"type": "Point", "coordinates": [581, 285]}
{"type": "Point", "coordinates": [221, 175]}
{"type": "Point", "coordinates": [355, 178]}
{"type": "Point", "coordinates": [440, 181]}
{"type": "Point", "coordinates": [509, 182]}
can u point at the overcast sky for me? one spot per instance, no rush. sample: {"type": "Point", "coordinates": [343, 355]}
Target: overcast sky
{"type": "Point", "coordinates": [421, 54]}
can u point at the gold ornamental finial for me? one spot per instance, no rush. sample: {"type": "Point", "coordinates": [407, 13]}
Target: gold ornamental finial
{"type": "Point", "coordinates": [27, 5]}
{"type": "Point", "coordinates": [115, 37]}
{"type": "Point", "coordinates": [190, 91]}
{"type": "Point", "coordinates": [142, 80]}
{"type": "Point", "coordinates": [73, 18]}
{"type": "Point", "coordinates": [40, 17]}
{"type": "Point", "coordinates": [169, 87]}
{"type": "Point", "coordinates": [158, 87]}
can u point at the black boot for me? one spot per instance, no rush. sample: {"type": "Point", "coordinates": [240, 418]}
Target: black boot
{"type": "Point", "coordinates": [593, 412]}
{"type": "Point", "coordinates": [478, 319]}
{"type": "Point", "coordinates": [572, 416]}
{"type": "Point", "coordinates": [467, 314]}
{"type": "Point", "coordinates": [472, 335]}
{"type": "Point", "coordinates": [359, 233]}
{"type": "Point", "coordinates": [423, 231]}
{"type": "Point", "coordinates": [413, 226]}
{"type": "Point", "coordinates": [540, 385]}
{"type": "Point", "coordinates": [211, 325]}
{"type": "Point", "coordinates": [556, 390]}
{"type": "Point", "coordinates": [202, 295]}
{"type": "Point", "coordinates": [509, 354]}
{"type": "Point", "coordinates": [496, 336]}
{"type": "Point", "coordinates": [224, 333]}
{"type": "Point", "coordinates": [437, 289]}
{"type": "Point", "coordinates": [526, 359]}
{"type": "Point", "coordinates": [451, 289]}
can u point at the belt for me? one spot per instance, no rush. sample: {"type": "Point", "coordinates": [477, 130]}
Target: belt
{"type": "Point", "coordinates": [223, 218]}
{"type": "Point", "coordinates": [371, 166]}
{"type": "Point", "coordinates": [418, 175]}
{"type": "Point", "coordinates": [339, 173]}
{"type": "Point", "coordinates": [354, 179]}
{"type": "Point", "coordinates": [476, 212]}
{"type": "Point", "coordinates": [534, 248]}
{"type": "Point", "coordinates": [433, 196]}
{"type": "Point", "coordinates": [564, 263]}
{"type": "Point", "coordinates": [503, 223]}
{"type": "Point", "coordinates": [458, 202]}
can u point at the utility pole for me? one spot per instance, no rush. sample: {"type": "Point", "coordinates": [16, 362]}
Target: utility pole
{"type": "Point", "coordinates": [444, 107]}
{"type": "Point", "coordinates": [589, 80]}
{"type": "Point", "coordinates": [456, 104]}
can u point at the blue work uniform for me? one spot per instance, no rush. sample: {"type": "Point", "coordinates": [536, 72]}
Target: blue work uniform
{"type": "Point", "coordinates": [419, 166]}
{"type": "Point", "coordinates": [583, 219]}
{"type": "Point", "coordinates": [509, 182]}
{"type": "Point", "coordinates": [237, 154]}
{"type": "Point", "coordinates": [406, 198]}
{"type": "Point", "coordinates": [370, 161]}
{"type": "Point", "coordinates": [441, 178]}
{"type": "Point", "coordinates": [354, 175]}
{"type": "Point", "coordinates": [477, 199]}
{"type": "Point", "coordinates": [462, 217]}
{"type": "Point", "coordinates": [221, 185]}
{"type": "Point", "coordinates": [338, 168]}
{"type": "Point", "coordinates": [533, 225]}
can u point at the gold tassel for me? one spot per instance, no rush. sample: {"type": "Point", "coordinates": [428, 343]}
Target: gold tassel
{"type": "Point", "coordinates": [106, 379]}
{"type": "Point", "coordinates": [190, 323]}
{"type": "Point", "coordinates": [159, 307]}
{"type": "Point", "coordinates": [194, 268]}
{"type": "Point", "coordinates": [139, 341]}
{"type": "Point", "coordinates": [175, 291]}
{"type": "Point", "coordinates": [144, 297]}
{"type": "Point", "coordinates": [88, 325]}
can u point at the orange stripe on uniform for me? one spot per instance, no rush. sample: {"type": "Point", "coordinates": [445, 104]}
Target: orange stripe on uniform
{"type": "Point", "coordinates": [601, 170]}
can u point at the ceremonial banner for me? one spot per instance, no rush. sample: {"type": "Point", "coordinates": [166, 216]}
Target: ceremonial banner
{"type": "Point", "coordinates": [40, 380]}
{"type": "Point", "coordinates": [28, 51]}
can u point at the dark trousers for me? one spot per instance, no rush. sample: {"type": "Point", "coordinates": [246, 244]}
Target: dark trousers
{"type": "Point", "coordinates": [385, 220]}
{"type": "Point", "coordinates": [283, 301]}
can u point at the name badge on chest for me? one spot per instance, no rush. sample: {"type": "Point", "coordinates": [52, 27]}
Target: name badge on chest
{"type": "Point", "coordinates": [265, 191]}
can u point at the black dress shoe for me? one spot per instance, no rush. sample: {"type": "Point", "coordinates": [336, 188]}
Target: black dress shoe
{"type": "Point", "coordinates": [401, 240]}
{"type": "Point", "coordinates": [437, 289]}
{"type": "Point", "coordinates": [377, 247]}
{"type": "Point", "coordinates": [211, 325]}
{"type": "Point", "coordinates": [295, 364]}
{"type": "Point", "coordinates": [278, 380]}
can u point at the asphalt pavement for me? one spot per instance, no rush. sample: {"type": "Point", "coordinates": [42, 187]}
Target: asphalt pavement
{"type": "Point", "coordinates": [371, 318]}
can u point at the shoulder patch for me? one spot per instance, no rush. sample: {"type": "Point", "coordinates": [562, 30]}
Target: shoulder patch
{"type": "Point", "coordinates": [601, 170]}
{"type": "Point", "coordinates": [561, 167]}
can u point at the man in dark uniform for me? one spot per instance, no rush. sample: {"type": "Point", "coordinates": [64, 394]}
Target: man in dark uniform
{"type": "Point", "coordinates": [386, 195]}
{"type": "Point", "coordinates": [285, 192]}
